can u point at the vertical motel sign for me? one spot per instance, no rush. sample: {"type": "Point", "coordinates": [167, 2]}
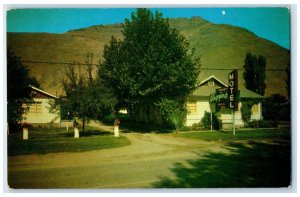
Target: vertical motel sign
{"type": "Point", "coordinates": [233, 90]}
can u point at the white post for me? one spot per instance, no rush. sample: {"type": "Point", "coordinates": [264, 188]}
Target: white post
{"type": "Point", "coordinates": [76, 132]}
{"type": "Point", "coordinates": [116, 130]}
{"type": "Point", "coordinates": [67, 126]}
{"type": "Point", "coordinates": [211, 125]}
{"type": "Point", "coordinates": [233, 121]}
{"type": "Point", "coordinates": [260, 111]}
{"type": "Point", "coordinates": [25, 133]}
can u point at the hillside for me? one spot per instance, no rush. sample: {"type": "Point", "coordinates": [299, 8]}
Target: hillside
{"type": "Point", "coordinates": [218, 46]}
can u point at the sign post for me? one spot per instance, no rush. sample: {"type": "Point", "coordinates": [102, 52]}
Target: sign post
{"type": "Point", "coordinates": [232, 95]}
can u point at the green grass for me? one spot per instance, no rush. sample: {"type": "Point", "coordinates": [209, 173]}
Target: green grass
{"type": "Point", "coordinates": [42, 141]}
{"type": "Point", "coordinates": [240, 134]}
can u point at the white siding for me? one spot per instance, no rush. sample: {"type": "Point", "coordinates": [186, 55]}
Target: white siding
{"type": "Point", "coordinates": [202, 106]}
{"type": "Point", "coordinates": [42, 115]}
{"type": "Point", "coordinates": [228, 118]}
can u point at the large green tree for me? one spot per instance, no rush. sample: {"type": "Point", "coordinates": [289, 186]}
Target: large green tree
{"type": "Point", "coordinates": [254, 76]}
{"type": "Point", "coordinates": [18, 90]}
{"type": "Point", "coordinates": [85, 98]}
{"type": "Point", "coordinates": [275, 108]}
{"type": "Point", "coordinates": [255, 73]}
{"type": "Point", "coordinates": [151, 64]}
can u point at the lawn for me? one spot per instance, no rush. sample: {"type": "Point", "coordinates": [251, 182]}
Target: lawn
{"type": "Point", "coordinates": [240, 134]}
{"type": "Point", "coordinates": [54, 140]}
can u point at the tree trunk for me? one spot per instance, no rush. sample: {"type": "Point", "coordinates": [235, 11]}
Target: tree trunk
{"type": "Point", "coordinates": [83, 121]}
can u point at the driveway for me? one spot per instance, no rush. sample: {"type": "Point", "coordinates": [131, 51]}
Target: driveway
{"type": "Point", "coordinates": [147, 160]}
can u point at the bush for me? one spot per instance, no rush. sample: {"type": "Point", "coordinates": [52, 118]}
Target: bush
{"type": "Point", "coordinates": [26, 125]}
{"type": "Point", "coordinates": [206, 121]}
{"type": "Point", "coordinates": [197, 126]}
{"type": "Point", "coordinates": [246, 111]}
{"type": "Point", "coordinates": [274, 108]}
{"type": "Point", "coordinates": [262, 124]}
{"type": "Point", "coordinates": [185, 128]}
{"type": "Point", "coordinates": [173, 112]}
{"type": "Point", "coordinates": [109, 119]}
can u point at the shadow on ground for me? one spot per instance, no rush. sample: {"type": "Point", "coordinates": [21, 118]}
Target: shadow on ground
{"type": "Point", "coordinates": [255, 164]}
{"type": "Point", "coordinates": [138, 127]}
{"type": "Point", "coordinates": [87, 133]}
{"type": "Point", "coordinates": [144, 128]}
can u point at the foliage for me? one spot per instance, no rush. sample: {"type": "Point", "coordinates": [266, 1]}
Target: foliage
{"type": "Point", "coordinates": [85, 98]}
{"type": "Point", "coordinates": [262, 124]}
{"type": "Point", "coordinates": [246, 110]}
{"type": "Point", "coordinates": [26, 125]}
{"type": "Point", "coordinates": [255, 73]}
{"type": "Point", "coordinates": [275, 107]}
{"type": "Point", "coordinates": [206, 121]}
{"type": "Point", "coordinates": [173, 111]}
{"type": "Point", "coordinates": [110, 118]}
{"type": "Point", "coordinates": [254, 76]}
{"type": "Point", "coordinates": [197, 126]}
{"type": "Point", "coordinates": [153, 62]}
{"type": "Point", "coordinates": [18, 90]}
{"type": "Point", "coordinates": [186, 128]}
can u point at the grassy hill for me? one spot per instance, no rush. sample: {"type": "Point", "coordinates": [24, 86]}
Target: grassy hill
{"type": "Point", "coordinates": [218, 46]}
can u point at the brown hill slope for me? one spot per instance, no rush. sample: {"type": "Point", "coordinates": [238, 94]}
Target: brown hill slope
{"type": "Point", "coordinates": [218, 46]}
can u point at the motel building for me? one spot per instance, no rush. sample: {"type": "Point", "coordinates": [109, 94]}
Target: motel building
{"type": "Point", "coordinates": [199, 103]}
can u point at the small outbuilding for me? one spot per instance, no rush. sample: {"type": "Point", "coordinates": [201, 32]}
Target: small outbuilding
{"type": "Point", "coordinates": [39, 112]}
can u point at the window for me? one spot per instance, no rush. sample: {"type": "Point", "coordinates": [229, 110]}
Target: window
{"type": "Point", "coordinates": [211, 82]}
{"type": "Point", "coordinates": [35, 108]}
{"type": "Point", "coordinates": [191, 107]}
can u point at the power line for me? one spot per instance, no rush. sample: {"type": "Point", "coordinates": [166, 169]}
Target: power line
{"type": "Point", "coordinates": [66, 63]}
{"type": "Point", "coordinates": [241, 69]}
{"type": "Point", "coordinates": [85, 64]}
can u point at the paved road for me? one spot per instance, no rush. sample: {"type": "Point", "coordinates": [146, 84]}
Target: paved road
{"type": "Point", "coordinates": [146, 161]}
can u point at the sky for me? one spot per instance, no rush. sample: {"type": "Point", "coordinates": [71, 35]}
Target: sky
{"type": "Point", "coordinates": [271, 23]}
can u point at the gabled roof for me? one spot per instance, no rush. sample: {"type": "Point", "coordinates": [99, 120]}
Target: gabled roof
{"type": "Point", "coordinates": [212, 77]}
{"type": "Point", "coordinates": [245, 93]}
{"type": "Point", "coordinates": [43, 92]}
{"type": "Point", "coordinates": [206, 91]}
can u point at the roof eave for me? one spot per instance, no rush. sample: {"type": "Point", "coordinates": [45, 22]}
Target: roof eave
{"type": "Point", "coordinates": [48, 94]}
